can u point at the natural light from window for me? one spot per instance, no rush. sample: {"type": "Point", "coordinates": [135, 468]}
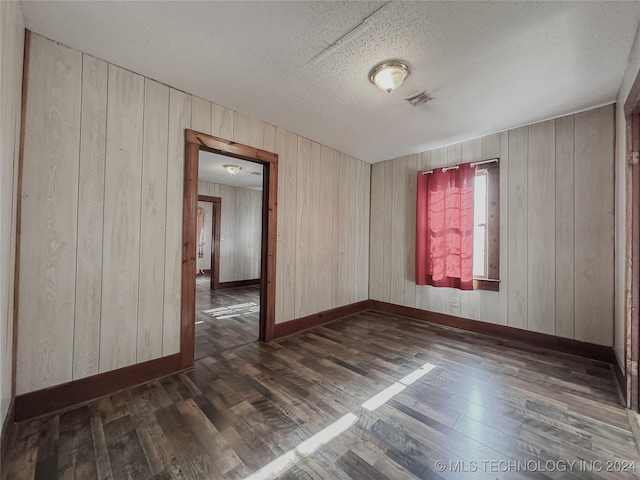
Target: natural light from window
{"type": "Point", "coordinates": [480, 207]}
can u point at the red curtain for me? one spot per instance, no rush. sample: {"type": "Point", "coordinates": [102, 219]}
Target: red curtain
{"type": "Point", "coordinates": [444, 228]}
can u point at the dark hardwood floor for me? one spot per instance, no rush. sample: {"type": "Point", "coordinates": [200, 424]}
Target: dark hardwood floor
{"type": "Point", "coordinates": [367, 397]}
{"type": "Point", "coordinates": [225, 318]}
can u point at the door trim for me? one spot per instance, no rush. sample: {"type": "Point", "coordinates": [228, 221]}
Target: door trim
{"type": "Point", "coordinates": [194, 142]}
{"type": "Point", "coordinates": [215, 239]}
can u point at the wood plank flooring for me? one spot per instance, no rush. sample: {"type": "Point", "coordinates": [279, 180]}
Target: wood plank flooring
{"type": "Point", "coordinates": [222, 331]}
{"type": "Point", "coordinates": [313, 406]}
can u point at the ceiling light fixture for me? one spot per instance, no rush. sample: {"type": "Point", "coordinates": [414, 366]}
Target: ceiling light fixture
{"type": "Point", "coordinates": [389, 74]}
{"type": "Point", "coordinates": [232, 169]}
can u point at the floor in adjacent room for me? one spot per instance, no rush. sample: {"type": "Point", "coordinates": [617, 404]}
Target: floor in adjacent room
{"type": "Point", "coordinates": [368, 397]}
{"type": "Point", "coordinates": [225, 318]}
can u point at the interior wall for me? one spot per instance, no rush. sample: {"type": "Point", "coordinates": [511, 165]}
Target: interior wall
{"type": "Point", "coordinates": [556, 229]}
{"type": "Point", "coordinates": [240, 231]}
{"type": "Point", "coordinates": [11, 58]}
{"type": "Point", "coordinates": [633, 68]}
{"type": "Point", "coordinates": [102, 213]}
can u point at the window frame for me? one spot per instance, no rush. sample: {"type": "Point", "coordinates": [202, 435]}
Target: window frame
{"type": "Point", "coordinates": [492, 246]}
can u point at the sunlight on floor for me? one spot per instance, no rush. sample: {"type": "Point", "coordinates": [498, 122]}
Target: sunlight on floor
{"type": "Point", "coordinates": [286, 460]}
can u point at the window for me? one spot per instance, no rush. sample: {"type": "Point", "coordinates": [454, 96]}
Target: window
{"type": "Point", "coordinates": [486, 231]}
{"type": "Point", "coordinates": [458, 226]}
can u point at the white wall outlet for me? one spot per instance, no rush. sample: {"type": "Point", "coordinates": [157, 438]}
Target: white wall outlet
{"type": "Point", "coordinates": [454, 302]}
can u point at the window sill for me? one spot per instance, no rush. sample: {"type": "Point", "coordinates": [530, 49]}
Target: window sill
{"type": "Point", "coordinates": [486, 284]}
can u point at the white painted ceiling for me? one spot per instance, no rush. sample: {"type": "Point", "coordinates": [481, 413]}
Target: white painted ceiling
{"type": "Point", "coordinates": [211, 169]}
{"type": "Point", "coordinates": [304, 66]}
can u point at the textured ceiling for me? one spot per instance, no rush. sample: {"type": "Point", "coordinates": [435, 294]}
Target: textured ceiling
{"type": "Point", "coordinates": [303, 66]}
{"type": "Point", "coordinates": [211, 169]}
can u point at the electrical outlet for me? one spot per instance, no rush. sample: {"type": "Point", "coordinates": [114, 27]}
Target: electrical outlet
{"type": "Point", "coordinates": [454, 302]}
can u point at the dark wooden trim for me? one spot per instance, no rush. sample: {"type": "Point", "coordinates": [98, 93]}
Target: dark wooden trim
{"type": "Point", "coordinates": [189, 254]}
{"type": "Point", "coordinates": [194, 142]}
{"type": "Point", "coordinates": [7, 437]}
{"type": "Point", "coordinates": [633, 99]}
{"type": "Point", "coordinates": [214, 271]}
{"type": "Point", "coordinates": [48, 400]}
{"type": "Point", "coordinates": [229, 148]}
{"type": "Point", "coordinates": [320, 318]}
{"type": "Point", "coordinates": [239, 283]}
{"type": "Point", "coordinates": [16, 283]}
{"type": "Point", "coordinates": [207, 271]}
{"type": "Point", "coordinates": [620, 379]}
{"type": "Point", "coordinates": [551, 342]}
{"type": "Point", "coordinates": [486, 284]}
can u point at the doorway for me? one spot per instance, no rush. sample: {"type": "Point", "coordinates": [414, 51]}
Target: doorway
{"type": "Point", "coordinates": [264, 285]}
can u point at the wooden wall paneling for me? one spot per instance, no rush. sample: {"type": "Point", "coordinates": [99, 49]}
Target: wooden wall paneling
{"type": "Point", "coordinates": [256, 133]}
{"type": "Point", "coordinates": [242, 234]}
{"type": "Point", "coordinates": [541, 227]}
{"type": "Point", "coordinates": [366, 201]}
{"type": "Point", "coordinates": [281, 150]}
{"type": "Point", "coordinates": [386, 232]}
{"type": "Point", "coordinates": [471, 301]}
{"type": "Point", "coordinates": [93, 130]}
{"type": "Point", "coordinates": [257, 233]}
{"type": "Point", "coordinates": [422, 291]}
{"type": "Point", "coordinates": [241, 128]}
{"type": "Point", "coordinates": [326, 228]}
{"type": "Point", "coordinates": [504, 228]}
{"type": "Point", "coordinates": [228, 245]}
{"type": "Point", "coordinates": [301, 294]}
{"type": "Point", "coordinates": [153, 218]}
{"type": "Point", "coordinates": [200, 115]}
{"type": "Point", "coordinates": [269, 138]}
{"type": "Point", "coordinates": [376, 230]}
{"type": "Point", "coordinates": [337, 229]}
{"type": "Point", "coordinates": [491, 300]}
{"type": "Point", "coordinates": [594, 226]}
{"type": "Point", "coordinates": [49, 217]}
{"type": "Point", "coordinates": [315, 238]}
{"type": "Point", "coordinates": [398, 230]}
{"type": "Point", "coordinates": [352, 234]}
{"type": "Point", "coordinates": [204, 263]}
{"type": "Point", "coordinates": [361, 256]}
{"type": "Point", "coordinates": [179, 120]}
{"type": "Point", "coordinates": [344, 234]}
{"type": "Point", "coordinates": [564, 241]}
{"type": "Point", "coordinates": [410, 174]}
{"type": "Point", "coordinates": [289, 225]}
{"type": "Point", "coordinates": [221, 122]}
{"type": "Point", "coordinates": [121, 249]}
{"type": "Point", "coordinates": [517, 239]}
{"type": "Point", "coordinates": [438, 297]}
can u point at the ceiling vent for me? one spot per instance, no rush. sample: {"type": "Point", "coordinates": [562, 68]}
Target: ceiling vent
{"type": "Point", "coordinates": [256, 173]}
{"type": "Point", "coordinates": [418, 98]}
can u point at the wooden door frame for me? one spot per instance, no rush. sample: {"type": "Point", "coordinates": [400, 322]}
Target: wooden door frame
{"type": "Point", "coordinates": [194, 142]}
{"type": "Point", "coordinates": [632, 253]}
{"type": "Point", "coordinates": [215, 238]}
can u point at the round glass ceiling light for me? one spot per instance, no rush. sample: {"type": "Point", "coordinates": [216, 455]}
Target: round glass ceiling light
{"type": "Point", "coordinates": [389, 75]}
{"type": "Point", "coordinates": [232, 169]}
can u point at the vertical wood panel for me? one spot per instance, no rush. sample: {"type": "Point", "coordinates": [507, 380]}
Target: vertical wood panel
{"type": "Point", "coordinates": [361, 212]}
{"type": "Point", "coordinates": [281, 150]}
{"type": "Point", "coordinates": [364, 273]}
{"type": "Point", "coordinates": [504, 228]}
{"type": "Point", "coordinates": [376, 276]}
{"type": "Point", "coordinates": [93, 127]}
{"type": "Point", "coordinates": [49, 217]}
{"type": "Point", "coordinates": [337, 228]}
{"type": "Point", "coordinates": [594, 226]}
{"type": "Point", "coordinates": [289, 225]}
{"type": "Point", "coordinates": [326, 227]}
{"type": "Point", "coordinates": [302, 229]}
{"type": "Point", "coordinates": [221, 122]}
{"type": "Point", "coordinates": [228, 243]}
{"type": "Point", "coordinates": [121, 252]}
{"type": "Point", "coordinates": [386, 232]}
{"type": "Point", "coordinates": [315, 234]}
{"type": "Point", "coordinates": [344, 272]}
{"type": "Point", "coordinates": [242, 234]}
{"type": "Point", "coordinates": [541, 204]}
{"type": "Point", "coordinates": [200, 115]}
{"type": "Point", "coordinates": [564, 261]}
{"type": "Point", "coordinates": [398, 230]}
{"type": "Point", "coordinates": [410, 174]}
{"type": "Point", "coordinates": [241, 128]}
{"type": "Point", "coordinates": [491, 300]}
{"type": "Point", "coordinates": [179, 120]}
{"type": "Point", "coordinates": [471, 301]}
{"type": "Point", "coordinates": [153, 218]}
{"type": "Point", "coordinates": [517, 240]}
